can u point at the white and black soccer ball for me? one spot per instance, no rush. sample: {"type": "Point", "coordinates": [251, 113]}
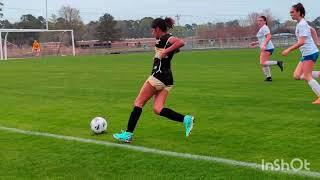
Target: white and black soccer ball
{"type": "Point", "coordinates": [98, 125]}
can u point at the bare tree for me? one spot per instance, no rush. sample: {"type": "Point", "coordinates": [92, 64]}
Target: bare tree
{"type": "Point", "coordinates": [71, 20]}
{"type": "Point", "coordinates": [270, 18]}
{"type": "Point", "coordinates": [71, 16]}
{"type": "Point", "coordinates": [252, 19]}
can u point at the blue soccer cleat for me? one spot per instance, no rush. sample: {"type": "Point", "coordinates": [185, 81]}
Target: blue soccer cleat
{"type": "Point", "coordinates": [188, 124]}
{"type": "Point", "coordinates": [124, 137]}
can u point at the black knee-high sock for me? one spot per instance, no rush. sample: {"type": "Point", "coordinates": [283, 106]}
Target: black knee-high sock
{"type": "Point", "coordinates": [133, 120]}
{"type": "Point", "coordinates": [170, 114]}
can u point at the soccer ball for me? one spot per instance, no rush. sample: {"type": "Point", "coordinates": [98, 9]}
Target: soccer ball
{"type": "Point", "coordinates": [98, 125]}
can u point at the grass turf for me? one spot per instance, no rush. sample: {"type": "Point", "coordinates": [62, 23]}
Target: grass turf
{"type": "Point", "coordinates": [239, 116]}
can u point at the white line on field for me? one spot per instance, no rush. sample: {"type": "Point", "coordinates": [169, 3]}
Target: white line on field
{"type": "Point", "coordinates": [161, 152]}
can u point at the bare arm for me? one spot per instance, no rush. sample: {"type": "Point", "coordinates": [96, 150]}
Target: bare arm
{"type": "Point", "coordinates": [254, 44]}
{"type": "Point", "coordinates": [315, 36]}
{"type": "Point", "coordinates": [176, 44]}
{"type": "Point", "coordinates": [268, 39]}
{"type": "Point", "coordinates": [294, 47]}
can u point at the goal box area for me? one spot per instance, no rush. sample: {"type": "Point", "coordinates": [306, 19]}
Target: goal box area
{"type": "Point", "coordinates": [17, 43]}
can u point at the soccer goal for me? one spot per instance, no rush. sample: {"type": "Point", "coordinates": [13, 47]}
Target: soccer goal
{"type": "Point", "coordinates": [17, 43]}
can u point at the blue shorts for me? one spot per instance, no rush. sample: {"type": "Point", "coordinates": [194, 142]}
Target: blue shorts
{"type": "Point", "coordinates": [270, 51]}
{"type": "Point", "coordinates": [313, 57]}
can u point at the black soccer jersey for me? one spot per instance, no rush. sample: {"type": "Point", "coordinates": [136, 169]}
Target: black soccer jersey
{"type": "Point", "coordinates": [162, 67]}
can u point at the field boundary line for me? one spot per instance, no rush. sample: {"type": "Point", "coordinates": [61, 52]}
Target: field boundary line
{"type": "Point", "coordinates": [160, 152]}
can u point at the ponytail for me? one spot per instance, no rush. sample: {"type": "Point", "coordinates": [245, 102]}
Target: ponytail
{"type": "Point", "coordinates": [163, 24]}
{"type": "Point", "coordinates": [300, 8]}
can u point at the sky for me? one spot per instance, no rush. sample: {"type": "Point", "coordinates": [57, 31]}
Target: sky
{"type": "Point", "coordinates": [191, 11]}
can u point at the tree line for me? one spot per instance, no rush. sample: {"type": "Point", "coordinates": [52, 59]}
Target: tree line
{"type": "Point", "coordinates": [106, 28]}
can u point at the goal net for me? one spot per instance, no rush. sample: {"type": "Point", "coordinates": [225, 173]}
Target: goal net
{"type": "Point", "coordinates": [17, 43]}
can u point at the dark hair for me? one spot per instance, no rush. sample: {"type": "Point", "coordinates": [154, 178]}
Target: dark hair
{"type": "Point", "coordinates": [264, 18]}
{"type": "Point", "coordinates": [163, 24]}
{"type": "Point", "coordinates": [300, 8]}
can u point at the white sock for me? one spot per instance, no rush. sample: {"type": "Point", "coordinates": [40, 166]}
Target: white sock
{"type": "Point", "coordinates": [302, 77]}
{"type": "Point", "coordinates": [266, 71]}
{"type": "Point", "coordinates": [271, 63]}
{"type": "Point", "coordinates": [315, 75]}
{"type": "Point", "coordinates": [315, 87]}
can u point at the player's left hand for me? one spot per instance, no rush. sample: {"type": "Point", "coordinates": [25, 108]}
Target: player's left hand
{"type": "Point", "coordinates": [263, 48]}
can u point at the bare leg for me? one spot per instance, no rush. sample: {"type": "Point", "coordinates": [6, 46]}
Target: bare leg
{"type": "Point", "coordinates": [159, 101]}
{"type": "Point", "coordinates": [146, 92]}
{"type": "Point", "coordinates": [264, 57]}
{"type": "Point", "coordinates": [298, 73]}
{"type": "Point", "coordinates": [158, 107]}
{"type": "Point", "coordinates": [307, 67]}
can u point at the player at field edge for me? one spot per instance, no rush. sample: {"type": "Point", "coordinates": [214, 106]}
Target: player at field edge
{"type": "Point", "coordinates": [267, 48]}
{"type": "Point", "coordinates": [36, 48]}
{"type": "Point", "coordinates": [307, 43]}
{"type": "Point", "coordinates": [159, 82]}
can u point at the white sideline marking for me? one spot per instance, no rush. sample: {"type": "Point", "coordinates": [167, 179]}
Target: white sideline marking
{"type": "Point", "coordinates": [161, 152]}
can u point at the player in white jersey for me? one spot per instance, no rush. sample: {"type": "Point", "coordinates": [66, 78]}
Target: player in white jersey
{"type": "Point", "coordinates": [307, 43]}
{"type": "Point", "coordinates": [267, 48]}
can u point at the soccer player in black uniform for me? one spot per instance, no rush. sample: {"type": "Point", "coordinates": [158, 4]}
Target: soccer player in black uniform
{"type": "Point", "coordinates": [160, 81]}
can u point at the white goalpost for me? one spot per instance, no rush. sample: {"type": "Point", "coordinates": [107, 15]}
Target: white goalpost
{"type": "Point", "coordinates": [6, 33]}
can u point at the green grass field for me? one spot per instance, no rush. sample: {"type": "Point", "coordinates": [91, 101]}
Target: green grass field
{"type": "Point", "coordinates": [239, 117]}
